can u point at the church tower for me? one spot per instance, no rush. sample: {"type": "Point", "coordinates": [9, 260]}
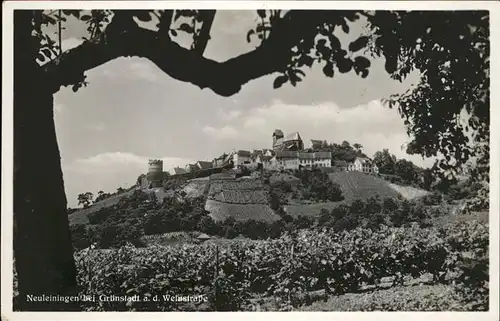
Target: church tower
{"type": "Point", "coordinates": [277, 138]}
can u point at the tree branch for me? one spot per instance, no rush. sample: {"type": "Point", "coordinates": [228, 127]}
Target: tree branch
{"type": "Point", "coordinates": [224, 78]}
{"type": "Point", "coordinates": [208, 18]}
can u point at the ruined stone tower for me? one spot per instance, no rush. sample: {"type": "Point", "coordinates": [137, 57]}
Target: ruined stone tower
{"type": "Point", "coordinates": [155, 172]}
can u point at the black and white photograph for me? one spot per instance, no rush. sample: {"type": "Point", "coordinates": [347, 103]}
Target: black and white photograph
{"type": "Point", "coordinates": [250, 157]}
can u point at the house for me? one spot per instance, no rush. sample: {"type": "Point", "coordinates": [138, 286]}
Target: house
{"type": "Point", "coordinates": [219, 161]}
{"type": "Point", "coordinates": [363, 164]}
{"type": "Point", "coordinates": [268, 152]}
{"type": "Point", "coordinates": [242, 158]}
{"type": "Point", "coordinates": [315, 159]}
{"type": "Point", "coordinates": [322, 159]}
{"type": "Point", "coordinates": [264, 162]}
{"type": "Point", "coordinates": [178, 171]}
{"type": "Point", "coordinates": [291, 142]}
{"type": "Point", "coordinates": [202, 238]}
{"type": "Point", "coordinates": [339, 165]}
{"type": "Point", "coordinates": [287, 159]}
{"type": "Point", "coordinates": [204, 165]}
{"type": "Point", "coordinates": [191, 168]}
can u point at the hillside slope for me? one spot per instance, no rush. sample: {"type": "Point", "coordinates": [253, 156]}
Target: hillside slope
{"type": "Point", "coordinates": [409, 192]}
{"type": "Point", "coordinates": [357, 185]}
{"type": "Point", "coordinates": [80, 217]}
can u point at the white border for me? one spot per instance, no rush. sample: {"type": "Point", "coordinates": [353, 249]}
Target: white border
{"type": "Point", "coordinates": [7, 148]}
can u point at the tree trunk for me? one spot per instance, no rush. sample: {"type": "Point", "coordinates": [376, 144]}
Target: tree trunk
{"type": "Point", "coordinates": [42, 244]}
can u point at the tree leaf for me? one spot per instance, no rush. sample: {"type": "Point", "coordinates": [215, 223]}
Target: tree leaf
{"type": "Point", "coordinates": [294, 79]}
{"type": "Point", "coordinates": [328, 69]}
{"type": "Point", "coordinates": [85, 17]}
{"type": "Point", "coordinates": [345, 27]}
{"type": "Point", "coordinates": [358, 44]}
{"type": "Point", "coordinates": [361, 62]}
{"type": "Point", "coordinates": [249, 34]}
{"type": "Point", "coordinates": [300, 72]}
{"type": "Point", "coordinates": [279, 81]}
{"type": "Point", "coordinates": [261, 13]}
{"type": "Point", "coordinates": [344, 65]}
{"type": "Point", "coordinates": [173, 32]}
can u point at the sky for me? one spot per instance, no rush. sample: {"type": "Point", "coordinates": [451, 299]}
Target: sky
{"type": "Point", "coordinates": [131, 111]}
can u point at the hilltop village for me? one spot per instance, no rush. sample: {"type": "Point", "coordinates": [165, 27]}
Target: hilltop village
{"type": "Point", "coordinates": [287, 153]}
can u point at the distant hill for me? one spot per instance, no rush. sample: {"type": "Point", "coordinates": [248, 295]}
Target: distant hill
{"type": "Point", "coordinates": [248, 198]}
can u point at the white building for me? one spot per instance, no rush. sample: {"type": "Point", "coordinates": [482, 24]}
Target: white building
{"type": "Point", "coordinates": [363, 164]}
{"type": "Point", "coordinates": [265, 162]}
{"type": "Point", "coordinates": [242, 158]}
{"type": "Point", "coordinates": [296, 160]}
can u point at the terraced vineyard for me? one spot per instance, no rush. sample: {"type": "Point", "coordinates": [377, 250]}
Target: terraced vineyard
{"type": "Point", "coordinates": [221, 211]}
{"type": "Point", "coordinates": [195, 187]}
{"type": "Point", "coordinates": [241, 199]}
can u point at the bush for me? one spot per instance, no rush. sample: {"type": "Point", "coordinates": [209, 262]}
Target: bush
{"type": "Point", "coordinates": [472, 283]}
{"type": "Point", "coordinates": [316, 185]}
{"type": "Point", "coordinates": [338, 262]}
{"type": "Point", "coordinates": [79, 237]}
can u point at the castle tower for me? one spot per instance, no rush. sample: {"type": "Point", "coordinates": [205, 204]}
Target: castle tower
{"type": "Point", "coordinates": [277, 136]}
{"type": "Point", "coordinates": [155, 172]}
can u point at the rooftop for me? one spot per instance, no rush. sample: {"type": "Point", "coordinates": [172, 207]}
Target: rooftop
{"type": "Point", "coordinates": [278, 133]}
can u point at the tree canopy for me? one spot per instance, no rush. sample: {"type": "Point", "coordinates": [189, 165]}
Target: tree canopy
{"type": "Point", "coordinates": [450, 49]}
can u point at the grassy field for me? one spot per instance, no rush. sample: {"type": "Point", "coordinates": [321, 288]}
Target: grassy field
{"type": "Point", "coordinates": [409, 192]}
{"type": "Point", "coordinates": [357, 185]}
{"type": "Point", "coordinates": [311, 210]}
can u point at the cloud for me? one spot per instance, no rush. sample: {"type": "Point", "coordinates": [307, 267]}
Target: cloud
{"type": "Point", "coordinates": [372, 125]}
{"type": "Point", "coordinates": [132, 68]}
{"type": "Point", "coordinates": [229, 114]}
{"type": "Point", "coordinates": [97, 127]}
{"type": "Point", "coordinates": [223, 133]}
{"type": "Point", "coordinates": [58, 108]}
{"type": "Point", "coordinates": [108, 171]}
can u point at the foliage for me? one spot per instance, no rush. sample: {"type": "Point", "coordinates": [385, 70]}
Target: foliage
{"type": "Point", "coordinates": [375, 213]}
{"type": "Point", "coordinates": [79, 236]}
{"type": "Point", "coordinates": [285, 268]}
{"type": "Point", "coordinates": [101, 196]}
{"type": "Point", "coordinates": [384, 161]}
{"type": "Point", "coordinates": [343, 151]}
{"type": "Point", "coordinates": [316, 185]}
{"type": "Point", "coordinates": [85, 199]}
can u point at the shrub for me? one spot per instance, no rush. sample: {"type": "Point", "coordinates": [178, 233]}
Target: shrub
{"type": "Point", "coordinates": [79, 237]}
{"type": "Point", "coordinates": [285, 268]}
